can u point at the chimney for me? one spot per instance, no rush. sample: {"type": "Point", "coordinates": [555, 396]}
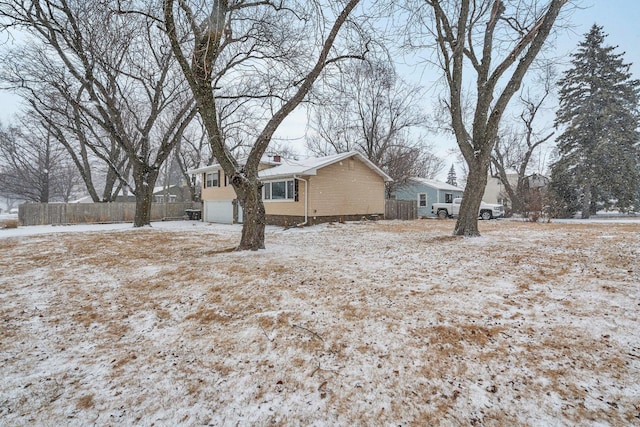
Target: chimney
{"type": "Point", "coordinates": [277, 158]}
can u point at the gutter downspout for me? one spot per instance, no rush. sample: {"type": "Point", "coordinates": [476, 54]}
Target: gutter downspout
{"type": "Point", "coordinates": [306, 200]}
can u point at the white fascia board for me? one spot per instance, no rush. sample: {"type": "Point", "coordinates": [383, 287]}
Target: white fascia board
{"type": "Point", "coordinates": [288, 175]}
{"type": "Point", "coordinates": [204, 169]}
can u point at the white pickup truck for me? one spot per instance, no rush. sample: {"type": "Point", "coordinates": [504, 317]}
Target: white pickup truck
{"type": "Point", "coordinates": [449, 210]}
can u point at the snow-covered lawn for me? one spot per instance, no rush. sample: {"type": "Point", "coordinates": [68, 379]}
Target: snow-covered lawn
{"type": "Point", "coordinates": [378, 323]}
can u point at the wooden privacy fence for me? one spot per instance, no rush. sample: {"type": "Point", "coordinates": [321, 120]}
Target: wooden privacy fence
{"type": "Point", "coordinates": [80, 213]}
{"type": "Point", "coordinates": [401, 209]}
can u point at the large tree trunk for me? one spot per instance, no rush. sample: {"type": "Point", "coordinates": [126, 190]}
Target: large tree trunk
{"type": "Point", "coordinates": [145, 180]}
{"type": "Point", "coordinates": [459, 26]}
{"type": "Point", "coordinates": [249, 194]}
{"type": "Point", "coordinates": [44, 189]}
{"type": "Point", "coordinates": [111, 182]}
{"type": "Point", "coordinates": [209, 41]}
{"type": "Point", "coordinates": [467, 223]}
{"type": "Point", "coordinates": [517, 196]}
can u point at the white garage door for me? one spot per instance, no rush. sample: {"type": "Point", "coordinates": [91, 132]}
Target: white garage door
{"type": "Point", "coordinates": [220, 211]}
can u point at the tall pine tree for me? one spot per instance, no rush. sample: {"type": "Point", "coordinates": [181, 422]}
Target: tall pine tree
{"type": "Point", "coordinates": [451, 178]}
{"type": "Point", "coordinates": [598, 149]}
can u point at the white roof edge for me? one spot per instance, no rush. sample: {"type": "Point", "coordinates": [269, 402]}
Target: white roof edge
{"type": "Point", "coordinates": [308, 172]}
{"type": "Point", "coordinates": [375, 168]}
{"type": "Point", "coordinates": [312, 170]}
{"type": "Point", "coordinates": [439, 185]}
{"type": "Point", "coordinates": [364, 160]}
{"type": "Point", "coordinates": [217, 166]}
{"type": "Point", "coordinates": [334, 159]}
{"type": "Point", "coordinates": [204, 169]}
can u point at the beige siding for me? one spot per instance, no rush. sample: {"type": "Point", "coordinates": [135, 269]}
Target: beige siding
{"type": "Point", "coordinates": [217, 193]}
{"type": "Point", "coordinates": [348, 187]}
{"type": "Point", "coordinates": [495, 192]}
{"type": "Point", "coordinates": [263, 166]}
{"type": "Point", "coordinates": [287, 207]}
{"type": "Point", "coordinates": [271, 207]}
{"type": "Point", "coordinates": [223, 192]}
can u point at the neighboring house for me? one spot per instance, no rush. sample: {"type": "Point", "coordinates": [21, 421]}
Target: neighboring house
{"type": "Point", "coordinates": [171, 194]}
{"type": "Point", "coordinates": [161, 194]}
{"type": "Point", "coordinates": [344, 186]}
{"type": "Point", "coordinates": [536, 181]}
{"type": "Point", "coordinates": [427, 192]}
{"type": "Point", "coordinates": [495, 191]}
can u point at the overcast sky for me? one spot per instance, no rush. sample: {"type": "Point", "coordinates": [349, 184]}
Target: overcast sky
{"type": "Point", "coordinates": [620, 19]}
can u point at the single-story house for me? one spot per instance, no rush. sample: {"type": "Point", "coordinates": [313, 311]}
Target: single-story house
{"type": "Point", "coordinates": [495, 191]}
{"type": "Point", "coordinates": [345, 186]}
{"type": "Point", "coordinates": [171, 194]}
{"type": "Point", "coordinates": [427, 192]}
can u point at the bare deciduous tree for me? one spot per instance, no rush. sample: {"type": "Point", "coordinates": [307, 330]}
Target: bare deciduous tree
{"type": "Point", "coordinates": [496, 42]}
{"type": "Point", "coordinates": [516, 146]}
{"type": "Point", "coordinates": [371, 110]}
{"type": "Point", "coordinates": [258, 59]}
{"type": "Point", "coordinates": [192, 152]}
{"type": "Point", "coordinates": [33, 166]}
{"type": "Point", "coordinates": [99, 159]}
{"type": "Point", "coordinates": [117, 78]}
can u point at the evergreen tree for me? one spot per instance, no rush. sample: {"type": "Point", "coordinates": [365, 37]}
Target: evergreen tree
{"type": "Point", "coordinates": [451, 178]}
{"type": "Point", "coordinates": [598, 153]}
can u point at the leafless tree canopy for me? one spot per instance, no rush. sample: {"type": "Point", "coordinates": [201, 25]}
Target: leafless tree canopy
{"type": "Point", "coordinates": [33, 166]}
{"type": "Point", "coordinates": [106, 80]}
{"type": "Point", "coordinates": [518, 143]}
{"type": "Point", "coordinates": [487, 45]}
{"type": "Point", "coordinates": [249, 65]}
{"type": "Point", "coordinates": [369, 109]}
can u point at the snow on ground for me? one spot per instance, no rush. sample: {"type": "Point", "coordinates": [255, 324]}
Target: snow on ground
{"type": "Point", "coordinates": [377, 323]}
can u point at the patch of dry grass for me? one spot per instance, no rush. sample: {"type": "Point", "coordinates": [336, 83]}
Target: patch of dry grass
{"type": "Point", "coordinates": [375, 323]}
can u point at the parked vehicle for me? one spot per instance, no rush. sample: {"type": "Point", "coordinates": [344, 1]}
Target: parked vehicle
{"type": "Point", "coordinates": [450, 210]}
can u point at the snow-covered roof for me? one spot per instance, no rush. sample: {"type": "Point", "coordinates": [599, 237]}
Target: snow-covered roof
{"type": "Point", "coordinates": [84, 199]}
{"type": "Point", "coordinates": [265, 160]}
{"type": "Point", "coordinates": [438, 185]}
{"type": "Point", "coordinates": [309, 166]}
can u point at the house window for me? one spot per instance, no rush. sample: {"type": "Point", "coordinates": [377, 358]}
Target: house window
{"type": "Point", "coordinates": [290, 190]}
{"type": "Point", "coordinates": [422, 200]}
{"type": "Point", "coordinates": [448, 197]}
{"type": "Point", "coordinates": [213, 179]}
{"type": "Point", "coordinates": [279, 190]}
